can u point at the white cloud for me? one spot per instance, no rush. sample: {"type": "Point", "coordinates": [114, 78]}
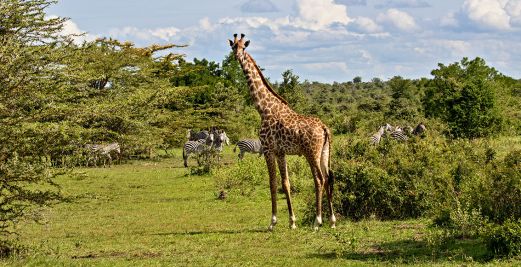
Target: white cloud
{"type": "Point", "coordinates": [489, 14]}
{"type": "Point", "coordinates": [513, 8]}
{"type": "Point", "coordinates": [79, 36]}
{"type": "Point", "coordinates": [164, 34]}
{"type": "Point", "coordinates": [404, 4]}
{"type": "Point", "coordinates": [319, 14]}
{"type": "Point", "coordinates": [456, 47]}
{"type": "Point", "coordinates": [366, 25]}
{"type": "Point", "coordinates": [258, 6]}
{"type": "Point", "coordinates": [399, 19]}
{"type": "Point", "coordinates": [449, 20]}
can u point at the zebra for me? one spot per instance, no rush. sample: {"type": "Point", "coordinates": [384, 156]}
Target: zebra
{"type": "Point", "coordinates": [375, 138]}
{"type": "Point", "coordinates": [398, 134]}
{"type": "Point", "coordinates": [97, 151]}
{"type": "Point", "coordinates": [197, 148]}
{"type": "Point", "coordinates": [220, 139]}
{"type": "Point", "coordinates": [419, 129]}
{"type": "Point", "coordinates": [192, 135]}
{"type": "Point", "coordinates": [248, 145]}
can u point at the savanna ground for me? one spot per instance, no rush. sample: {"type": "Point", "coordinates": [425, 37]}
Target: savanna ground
{"type": "Point", "coordinates": [154, 213]}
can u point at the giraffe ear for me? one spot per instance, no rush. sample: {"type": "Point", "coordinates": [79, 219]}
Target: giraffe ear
{"type": "Point", "coordinates": [247, 43]}
{"type": "Point", "coordinates": [231, 43]}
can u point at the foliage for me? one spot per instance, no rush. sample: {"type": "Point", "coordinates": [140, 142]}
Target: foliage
{"type": "Point", "coordinates": [392, 180]}
{"type": "Point", "coordinates": [404, 104]}
{"type": "Point", "coordinates": [31, 50]}
{"type": "Point", "coordinates": [504, 240]}
{"type": "Point", "coordinates": [463, 95]}
{"type": "Point", "coordinates": [291, 90]}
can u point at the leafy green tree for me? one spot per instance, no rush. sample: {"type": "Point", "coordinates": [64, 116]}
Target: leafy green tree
{"type": "Point", "coordinates": [404, 104]}
{"type": "Point", "coordinates": [463, 95]}
{"type": "Point", "coordinates": [357, 79]}
{"type": "Point", "coordinates": [234, 77]}
{"type": "Point", "coordinates": [31, 55]}
{"type": "Point", "coordinates": [291, 90]}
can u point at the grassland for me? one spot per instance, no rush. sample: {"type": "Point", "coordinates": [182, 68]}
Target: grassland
{"type": "Point", "coordinates": [154, 213]}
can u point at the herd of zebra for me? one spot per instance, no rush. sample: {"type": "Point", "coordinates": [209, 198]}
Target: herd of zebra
{"type": "Point", "coordinates": [204, 143]}
{"type": "Point", "coordinates": [397, 132]}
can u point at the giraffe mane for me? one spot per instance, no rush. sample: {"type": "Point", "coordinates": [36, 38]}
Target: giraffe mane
{"type": "Point", "coordinates": [266, 83]}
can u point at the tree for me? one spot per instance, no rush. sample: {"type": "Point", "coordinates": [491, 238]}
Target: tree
{"type": "Point", "coordinates": [463, 95]}
{"type": "Point", "coordinates": [357, 79]}
{"type": "Point", "coordinates": [31, 59]}
{"type": "Point", "coordinates": [404, 104]}
{"type": "Point", "coordinates": [234, 77]}
{"type": "Point", "coordinates": [291, 90]}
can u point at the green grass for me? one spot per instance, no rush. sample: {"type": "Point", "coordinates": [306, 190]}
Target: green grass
{"type": "Point", "coordinates": [153, 213]}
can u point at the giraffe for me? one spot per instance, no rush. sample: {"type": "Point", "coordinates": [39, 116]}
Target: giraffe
{"type": "Point", "coordinates": [285, 132]}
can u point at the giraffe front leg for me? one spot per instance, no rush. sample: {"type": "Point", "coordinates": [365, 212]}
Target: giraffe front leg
{"type": "Point", "coordinates": [281, 160]}
{"type": "Point", "coordinates": [270, 162]}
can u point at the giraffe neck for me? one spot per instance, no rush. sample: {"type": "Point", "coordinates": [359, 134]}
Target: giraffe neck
{"type": "Point", "coordinates": [267, 102]}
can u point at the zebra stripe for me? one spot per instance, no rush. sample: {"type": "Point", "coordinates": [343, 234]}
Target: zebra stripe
{"type": "Point", "coordinates": [248, 145]}
{"type": "Point", "coordinates": [104, 151]}
{"type": "Point", "coordinates": [375, 138]}
{"type": "Point", "coordinates": [196, 147]}
{"type": "Point", "coordinates": [220, 139]}
{"type": "Point", "coordinates": [398, 134]}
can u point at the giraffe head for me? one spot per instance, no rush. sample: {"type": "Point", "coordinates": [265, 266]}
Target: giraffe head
{"type": "Point", "coordinates": [238, 45]}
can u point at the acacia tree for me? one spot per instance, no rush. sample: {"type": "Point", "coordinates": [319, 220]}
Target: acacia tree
{"type": "Point", "coordinates": [463, 95]}
{"type": "Point", "coordinates": [31, 52]}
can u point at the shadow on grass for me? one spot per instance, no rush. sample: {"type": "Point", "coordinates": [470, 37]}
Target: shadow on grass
{"type": "Point", "coordinates": [411, 251]}
{"type": "Point", "coordinates": [210, 232]}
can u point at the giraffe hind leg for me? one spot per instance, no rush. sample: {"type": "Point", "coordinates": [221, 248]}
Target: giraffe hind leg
{"type": "Point", "coordinates": [281, 160]}
{"type": "Point", "coordinates": [319, 187]}
{"type": "Point", "coordinates": [328, 182]}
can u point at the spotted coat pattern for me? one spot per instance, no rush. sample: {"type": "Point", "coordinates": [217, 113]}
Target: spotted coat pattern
{"type": "Point", "coordinates": [285, 132]}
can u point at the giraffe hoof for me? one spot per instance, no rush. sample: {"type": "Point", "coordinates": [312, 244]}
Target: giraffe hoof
{"type": "Point", "coordinates": [271, 227]}
{"type": "Point", "coordinates": [293, 226]}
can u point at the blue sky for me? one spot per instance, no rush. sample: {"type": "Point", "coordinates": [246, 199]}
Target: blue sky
{"type": "Point", "coordinates": [320, 40]}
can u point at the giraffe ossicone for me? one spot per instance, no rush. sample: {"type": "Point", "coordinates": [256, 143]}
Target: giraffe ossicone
{"type": "Point", "coordinates": [285, 132]}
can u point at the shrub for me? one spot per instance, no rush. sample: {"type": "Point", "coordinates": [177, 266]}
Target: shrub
{"type": "Point", "coordinates": [504, 240]}
{"type": "Point", "coordinates": [392, 180]}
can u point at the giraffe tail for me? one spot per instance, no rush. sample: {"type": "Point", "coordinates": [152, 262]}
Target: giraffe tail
{"type": "Point", "coordinates": [330, 174]}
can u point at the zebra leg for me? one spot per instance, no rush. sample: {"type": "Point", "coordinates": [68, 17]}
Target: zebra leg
{"type": "Point", "coordinates": [270, 162]}
{"type": "Point", "coordinates": [283, 168]}
{"type": "Point", "coordinates": [185, 158]}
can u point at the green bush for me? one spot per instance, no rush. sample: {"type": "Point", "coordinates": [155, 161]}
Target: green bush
{"type": "Point", "coordinates": [504, 240]}
{"type": "Point", "coordinates": [392, 180]}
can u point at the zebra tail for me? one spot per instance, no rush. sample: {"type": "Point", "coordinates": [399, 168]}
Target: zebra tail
{"type": "Point", "coordinates": [234, 148]}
